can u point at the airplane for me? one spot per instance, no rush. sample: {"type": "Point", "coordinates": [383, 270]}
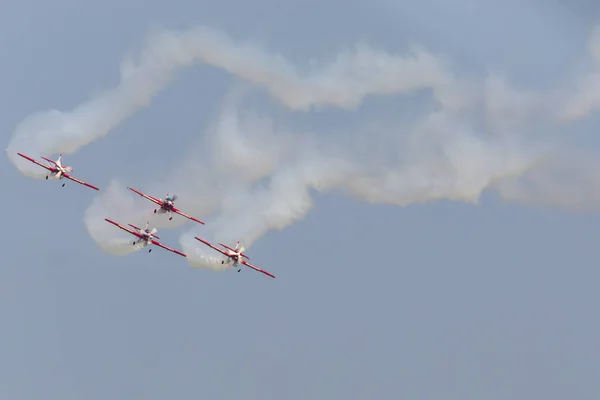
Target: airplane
{"type": "Point", "coordinates": [57, 170]}
{"type": "Point", "coordinates": [235, 256]}
{"type": "Point", "coordinates": [145, 236]}
{"type": "Point", "coordinates": [166, 206]}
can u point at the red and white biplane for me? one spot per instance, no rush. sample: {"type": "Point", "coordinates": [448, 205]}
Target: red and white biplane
{"type": "Point", "coordinates": [145, 236]}
{"type": "Point", "coordinates": [57, 170]}
{"type": "Point", "coordinates": [235, 256]}
{"type": "Point", "coordinates": [166, 206]}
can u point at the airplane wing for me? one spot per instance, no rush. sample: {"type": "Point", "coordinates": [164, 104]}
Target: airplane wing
{"type": "Point", "coordinates": [50, 161]}
{"type": "Point", "coordinates": [177, 211]}
{"type": "Point", "coordinates": [124, 228]}
{"type": "Point", "coordinates": [38, 163]}
{"type": "Point", "coordinates": [159, 244]}
{"type": "Point", "coordinates": [210, 245]}
{"type": "Point", "coordinates": [153, 199]}
{"type": "Point", "coordinates": [256, 268]}
{"type": "Point", "coordinates": [80, 181]}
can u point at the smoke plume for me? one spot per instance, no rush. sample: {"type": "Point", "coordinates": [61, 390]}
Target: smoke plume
{"type": "Point", "coordinates": [343, 82]}
{"type": "Point", "coordinates": [475, 135]}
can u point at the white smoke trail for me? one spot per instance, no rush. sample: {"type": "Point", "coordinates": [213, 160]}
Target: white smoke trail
{"type": "Point", "coordinates": [265, 182]}
{"type": "Point", "coordinates": [440, 158]}
{"type": "Point", "coordinates": [342, 83]}
{"type": "Point", "coordinates": [115, 204]}
{"type": "Point", "coordinates": [261, 174]}
{"type": "Point", "coordinates": [586, 98]}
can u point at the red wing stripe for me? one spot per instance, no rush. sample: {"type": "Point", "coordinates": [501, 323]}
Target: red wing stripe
{"type": "Point", "coordinates": [122, 227]}
{"type": "Point", "coordinates": [177, 211]}
{"type": "Point", "coordinates": [153, 199]}
{"type": "Point", "coordinates": [37, 162]}
{"type": "Point", "coordinates": [80, 181]}
{"type": "Point", "coordinates": [257, 269]}
{"type": "Point", "coordinates": [167, 248]}
{"type": "Point", "coordinates": [210, 245]}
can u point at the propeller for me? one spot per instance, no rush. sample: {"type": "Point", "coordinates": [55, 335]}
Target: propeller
{"type": "Point", "coordinates": [172, 197]}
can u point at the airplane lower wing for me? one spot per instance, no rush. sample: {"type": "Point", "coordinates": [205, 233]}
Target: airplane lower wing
{"type": "Point", "coordinates": [159, 244]}
{"type": "Point", "coordinates": [124, 228]}
{"type": "Point", "coordinates": [177, 211]}
{"type": "Point", "coordinates": [80, 181]}
{"type": "Point", "coordinates": [152, 199]}
{"type": "Point", "coordinates": [210, 245]}
{"type": "Point", "coordinates": [52, 169]}
{"type": "Point", "coordinates": [256, 268]}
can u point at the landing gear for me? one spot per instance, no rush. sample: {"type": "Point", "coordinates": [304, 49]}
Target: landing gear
{"type": "Point", "coordinates": [170, 218]}
{"type": "Point", "coordinates": [149, 250]}
{"type": "Point", "coordinates": [155, 211]}
{"type": "Point", "coordinates": [222, 262]}
{"type": "Point", "coordinates": [134, 243]}
{"type": "Point", "coordinates": [63, 185]}
{"type": "Point", "coordinates": [239, 270]}
{"type": "Point", "coordinates": [46, 177]}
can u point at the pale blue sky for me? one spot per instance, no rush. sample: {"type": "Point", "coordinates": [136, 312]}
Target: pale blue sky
{"type": "Point", "coordinates": [436, 301]}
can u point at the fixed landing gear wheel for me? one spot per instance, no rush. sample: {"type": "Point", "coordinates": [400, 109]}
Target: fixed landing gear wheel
{"type": "Point", "coordinates": [63, 185]}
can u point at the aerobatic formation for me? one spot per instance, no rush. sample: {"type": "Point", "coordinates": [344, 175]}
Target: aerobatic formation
{"type": "Point", "coordinates": [234, 256]}
{"type": "Point", "coordinates": [466, 134]}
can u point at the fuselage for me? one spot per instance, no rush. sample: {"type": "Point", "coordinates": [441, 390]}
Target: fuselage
{"type": "Point", "coordinates": [235, 257]}
{"type": "Point", "coordinates": [167, 205]}
{"type": "Point", "coordinates": [146, 238]}
{"type": "Point", "coordinates": [60, 170]}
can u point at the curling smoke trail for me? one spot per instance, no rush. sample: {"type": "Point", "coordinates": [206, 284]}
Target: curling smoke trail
{"type": "Point", "coordinates": [443, 157]}
{"type": "Point", "coordinates": [264, 181]}
{"type": "Point", "coordinates": [343, 83]}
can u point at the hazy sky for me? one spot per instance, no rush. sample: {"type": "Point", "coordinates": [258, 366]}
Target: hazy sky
{"type": "Point", "coordinates": [431, 224]}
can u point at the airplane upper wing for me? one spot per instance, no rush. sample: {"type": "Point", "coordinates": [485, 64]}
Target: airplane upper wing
{"type": "Point", "coordinates": [159, 244]}
{"type": "Point", "coordinates": [210, 245]}
{"type": "Point", "coordinates": [256, 268]}
{"type": "Point", "coordinates": [80, 181]}
{"type": "Point", "coordinates": [176, 210]}
{"type": "Point", "coordinates": [153, 199]}
{"type": "Point", "coordinates": [38, 163]}
{"type": "Point", "coordinates": [124, 228]}
{"type": "Point", "coordinates": [50, 161]}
